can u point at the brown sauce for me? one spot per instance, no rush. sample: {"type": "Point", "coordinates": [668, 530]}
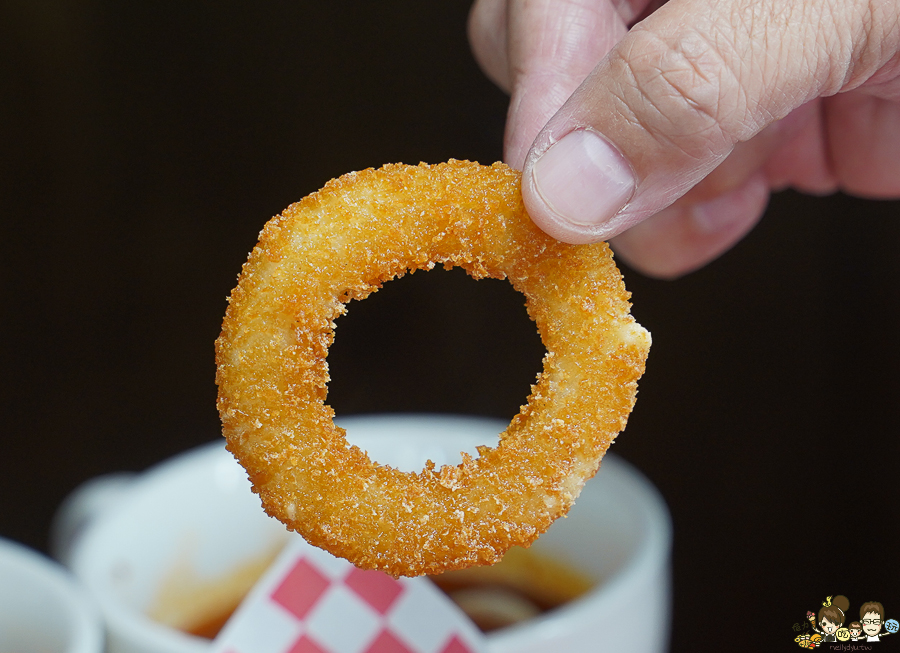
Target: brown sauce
{"type": "Point", "coordinates": [199, 605]}
{"type": "Point", "coordinates": [211, 626]}
{"type": "Point", "coordinates": [522, 586]}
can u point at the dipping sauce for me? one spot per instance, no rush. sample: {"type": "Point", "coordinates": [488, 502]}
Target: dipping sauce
{"type": "Point", "coordinates": [523, 585]}
{"type": "Point", "coordinates": [201, 606]}
{"type": "Point", "coordinates": [520, 587]}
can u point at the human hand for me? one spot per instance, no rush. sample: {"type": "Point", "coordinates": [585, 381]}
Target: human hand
{"type": "Point", "coordinates": [671, 144]}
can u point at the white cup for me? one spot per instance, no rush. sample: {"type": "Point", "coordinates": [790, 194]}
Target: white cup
{"type": "Point", "coordinates": [42, 609]}
{"type": "Point", "coordinates": [199, 506]}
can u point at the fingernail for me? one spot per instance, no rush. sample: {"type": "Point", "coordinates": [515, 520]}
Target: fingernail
{"type": "Point", "coordinates": [583, 179]}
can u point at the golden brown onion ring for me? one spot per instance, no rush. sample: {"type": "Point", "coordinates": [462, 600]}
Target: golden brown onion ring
{"type": "Point", "coordinates": [342, 243]}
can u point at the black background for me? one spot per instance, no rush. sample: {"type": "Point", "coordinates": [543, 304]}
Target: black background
{"type": "Point", "coordinates": [142, 147]}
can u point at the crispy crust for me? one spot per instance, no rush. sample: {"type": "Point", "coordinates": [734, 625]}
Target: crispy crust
{"type": "Point", "coordinates": [342, 243]}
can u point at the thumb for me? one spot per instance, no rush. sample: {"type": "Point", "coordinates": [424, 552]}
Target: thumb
{"type": "Point", "coordinates": [673, 98]}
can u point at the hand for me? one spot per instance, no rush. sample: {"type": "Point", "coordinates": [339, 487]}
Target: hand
{"type": "Point", "coordinates": [668, 137]}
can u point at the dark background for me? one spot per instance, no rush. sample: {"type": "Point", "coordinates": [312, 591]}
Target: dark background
{"type": "Point", "coordinates": [143, 146]}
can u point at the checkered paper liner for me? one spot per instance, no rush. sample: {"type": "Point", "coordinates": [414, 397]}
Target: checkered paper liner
{"type": "Point", "coordinates": [311, 602]}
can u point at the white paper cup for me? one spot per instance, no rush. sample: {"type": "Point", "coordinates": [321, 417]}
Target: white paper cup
{"type": "Point", "coordinates": [195, 509]}
{"type": "Point", "coordinates": [199, 506]}
{"type": "Point", "coordinates": [42, 610]}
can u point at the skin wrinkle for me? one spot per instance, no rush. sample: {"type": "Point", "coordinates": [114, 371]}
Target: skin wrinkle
{"type": "Point", "coordinates": [811, 24]}
{"type": "Point", "coordinates": [737, 95]}
{"type": "Point", "coordinates": [700, 116]}
{"type": "Point", "coordinates": [646, 99]}
{"type": "Point", "coordinates": [747, 69]}
{"type": "Point", "coordinates": [859, 60]}
{"type": "Point", "coordinates": [880, 27]}
{"type": "Point", "coordinates": [865, 56]}
{"type": "Point", "coordinates": [841, 76]}
{"type": "Point", "coordinates": [781, 30]}
{"type": "Point", "coordinates": [745, 66]}
{"type": "Point", "coordinates": [624, 108]}
{"type": "Point", "coordinates": [680, 180]}
{"type": "Point", "coordinates": [628, 109]}
{"type": "Point", "coordinates": [779, 49]}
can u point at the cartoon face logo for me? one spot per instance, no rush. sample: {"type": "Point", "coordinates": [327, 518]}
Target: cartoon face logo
{"type": "Point", "coordinates": [829, 623]}
{"type": "Point", "coordinates": [871, 623]}
{"type": "Point", "coordinates": [829, 627]}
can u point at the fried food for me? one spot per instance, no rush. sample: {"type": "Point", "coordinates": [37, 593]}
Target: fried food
{"type": "Point", "coordinates": [342, 243]}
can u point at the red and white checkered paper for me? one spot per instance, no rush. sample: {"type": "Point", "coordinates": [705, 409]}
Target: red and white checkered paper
{"type": "Point", "coordinates": [311, 602]}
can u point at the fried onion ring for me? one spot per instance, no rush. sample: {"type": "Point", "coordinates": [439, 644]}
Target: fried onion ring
{"type": "Point", "coordinates": [342, 243]}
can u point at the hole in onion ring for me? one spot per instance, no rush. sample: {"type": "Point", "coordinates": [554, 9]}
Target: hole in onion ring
{"type": "Point", "coordinates": [435, 342]}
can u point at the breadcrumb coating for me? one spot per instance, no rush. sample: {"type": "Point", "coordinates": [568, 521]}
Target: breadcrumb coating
{"type": "Point", "coordinates": [343, 242]}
